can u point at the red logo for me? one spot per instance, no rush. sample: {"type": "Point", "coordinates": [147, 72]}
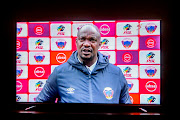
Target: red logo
{"type": "Point", "coordinates": [151, 86]}
{"type": "Point", "coordinates": [18, 44]}
{"type": "Point", "coordinates": [39, 72]}
{"type": "Point", "coordinates": [18, 86]}
{"type": "Point", "coordinates": [131, 98]}
{"type": "Point", "coordinates": [127, 57]}
{"type": "Point", "coordinates": [38, 30]}
{"type": "Point", "coordinates": [104, 29]}
{"type": "Point", "coordinates": [150, 42]}
{"type": "Point", "coordinates": [61, 57]}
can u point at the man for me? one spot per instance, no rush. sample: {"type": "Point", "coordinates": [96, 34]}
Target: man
{"type": "Point", "coordinates": [87, 76]}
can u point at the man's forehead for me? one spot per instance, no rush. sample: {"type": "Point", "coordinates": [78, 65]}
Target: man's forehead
{"type": "Point", "coordinates": [88, 30]}
{"type": "Point", "coordinates": [84, 34]}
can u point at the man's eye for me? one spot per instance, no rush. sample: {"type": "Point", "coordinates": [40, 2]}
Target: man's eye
{"type": "Point", "coordinates": [93, 40]}
{"type": "Point", "coordinates": [82, 39]}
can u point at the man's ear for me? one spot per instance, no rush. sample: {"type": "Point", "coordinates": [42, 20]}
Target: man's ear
{"type": "Point", "coordinates": [100, 43]}
{"type": "Point", "coordinates": [76, 41]}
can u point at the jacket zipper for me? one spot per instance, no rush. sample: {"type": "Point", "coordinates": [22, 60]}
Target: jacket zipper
{"type": "Point", "coordinates": [90, 89]}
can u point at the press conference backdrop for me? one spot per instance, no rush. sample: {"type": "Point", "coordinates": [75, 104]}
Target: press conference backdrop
{"type": "Point", "coordinates": [132, 45]}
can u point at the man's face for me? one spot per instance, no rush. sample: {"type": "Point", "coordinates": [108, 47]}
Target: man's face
{"type": "Point", "coordinates": [88, 42]}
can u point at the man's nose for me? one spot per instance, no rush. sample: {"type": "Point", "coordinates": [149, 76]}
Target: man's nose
{"type": "Point", "coordinates": [87, 43]}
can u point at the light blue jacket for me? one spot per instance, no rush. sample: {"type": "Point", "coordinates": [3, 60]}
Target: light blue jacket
{"type": "Point", "coordinates": [71, 82]}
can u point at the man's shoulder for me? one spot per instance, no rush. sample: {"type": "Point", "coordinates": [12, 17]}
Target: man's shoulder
{"type": "Point", "coordinates": [63, 67]}
{"type": "Point", "coordinates": [113, 69]}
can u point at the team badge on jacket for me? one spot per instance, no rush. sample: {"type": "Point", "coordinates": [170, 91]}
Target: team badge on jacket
{"type": "Point", "coordinates": [108, 92]}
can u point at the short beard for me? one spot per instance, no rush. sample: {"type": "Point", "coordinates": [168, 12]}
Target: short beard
{"type": "Point", "coordinates": [87, 59]}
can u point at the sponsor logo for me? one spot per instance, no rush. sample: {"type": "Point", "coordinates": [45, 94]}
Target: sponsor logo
{"type": "Point", "coordinates": [151, 86]}
{"type": "Point", "coordinates": [34, 98]}
{"type": "Point", "coordinates": [60, 30]}
{"type": "Point", "coordinates": [38, 44]}
{"type": "Point", "coordinates": [19, 71]}
{"type": "Point", "coordinates": [151, 28]}
{"type": "Point", "coordinates": [150, 43]}
{"type": "Point", "coordinates": [18, 98]}
{"type": "Point", "coordinates": [18, 56]}
{"type": "Point", "coordinates": [38, 30]}
{"type": "Point", "coordinates": [151, 99]}
{"type": "Point", "coordinates": [104, 44]}
{"type": "Point", "coordinates": [70, 90]}
{"type": "Point", "coordinates": [18, 86]}
{"type": "Point", "coordinates": [150, 57]}
{"type": "Point", "coordinates": [104, 29]}
{"type": "Point", "coordinates": [38, 86]}
{"type": "Point", "coordinates": [132, 100]}
{"type": "Point", "coordinates": [150, 71]}
{"type": "Point", "coordinates": [19, 29]}
{"type": "Point", "coordinates": [39, 57]}
{"type": "Point", "coordinates": [108, 92]}
{"type": "Point", "coordinates": [126, 71]}
{"type": "Point", "coordinates": [127, 42]}
{"type": "Point", "coordinates": [130, 85]}
{"type": "Point", "coordinates": [18, 44]}
{"type": "Point", "coordinates": [127, 28]}
{"type": "Point", "coordinates": [61, 43]}
{"type": "Point", "coordinates": [39, 71]}
{"type": "Point", "coordinates": [61, 57]}
{"type": "Point", "coordinates": [127, 57]}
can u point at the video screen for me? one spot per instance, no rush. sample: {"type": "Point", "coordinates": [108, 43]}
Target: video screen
{"type": "Point", "coordinates": [131, 45]}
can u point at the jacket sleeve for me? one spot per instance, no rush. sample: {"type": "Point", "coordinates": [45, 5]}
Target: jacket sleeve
{"type": "Point", "coordinates": [49, 92]}
{"type": "Point", "coordinates": [124, 96]}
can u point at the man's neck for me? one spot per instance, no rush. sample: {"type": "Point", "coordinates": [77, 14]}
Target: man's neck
{"type": "Point", "coordinates": [87, 62]}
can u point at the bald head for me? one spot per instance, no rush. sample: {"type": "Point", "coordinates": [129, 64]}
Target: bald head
{"type": "Point", "coordinates": [89, 28]}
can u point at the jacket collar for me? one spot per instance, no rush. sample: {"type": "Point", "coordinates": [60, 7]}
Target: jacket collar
{"type": "Point", "coordinates": [102, 62]}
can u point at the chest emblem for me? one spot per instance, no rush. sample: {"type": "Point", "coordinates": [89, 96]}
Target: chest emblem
{"type": "Point", "coordinates": [70, 90]}
{"type": "Point", "coordinates": [108, 92]}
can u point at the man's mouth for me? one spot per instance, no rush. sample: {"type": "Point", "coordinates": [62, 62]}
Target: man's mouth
{"type": "Point", "coordinates": [86, 51]}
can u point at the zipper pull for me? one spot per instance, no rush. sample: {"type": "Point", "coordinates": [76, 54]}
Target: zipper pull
{"type": "Point", "coordinates": [89, 75]}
